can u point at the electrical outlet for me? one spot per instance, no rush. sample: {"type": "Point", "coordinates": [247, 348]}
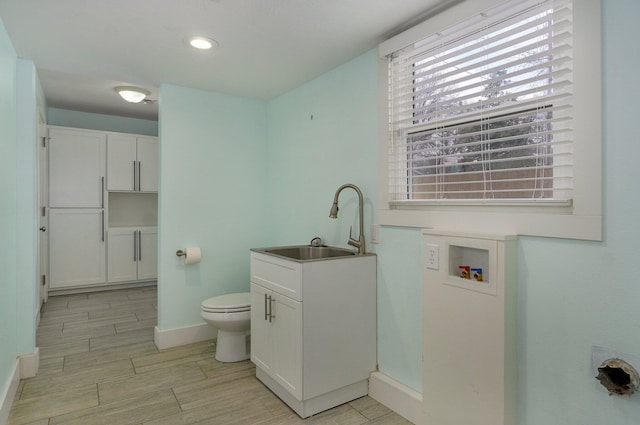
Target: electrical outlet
{"type": "Point", "coordinates": [433, 256]}
{"type": "Point", "coordinates": [374, 233]}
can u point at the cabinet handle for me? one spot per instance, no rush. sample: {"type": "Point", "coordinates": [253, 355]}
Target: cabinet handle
{"type": "Point", "coordinates": [265, 307]}
{"type": "Point", "coordinates": [135, 245]}
{"type": "Point", "coordinates": [134, 176]}
{"type": "Point", "coordinates": [271, 315]}
{"type": "Point", "coordinates": [139, 245]}
{"type": "Point", "coordinates": [102, 192]}
{"type": "Point", "coordinates": [139, 177]}
{"type": "Point", "coordinates": [102, 228]}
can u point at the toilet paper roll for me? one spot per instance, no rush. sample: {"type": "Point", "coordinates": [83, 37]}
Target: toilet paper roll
{"type": "Point", "coordinates": [192, 255]}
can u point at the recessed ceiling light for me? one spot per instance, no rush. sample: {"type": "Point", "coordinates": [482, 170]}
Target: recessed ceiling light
{"type": "Point", "coordinates": [203, 43]}
{"type": "Point", "coordinates": [132, 94]}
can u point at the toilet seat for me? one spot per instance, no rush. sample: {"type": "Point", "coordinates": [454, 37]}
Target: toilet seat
{"type": "Point", "coordinates": [229, 303]}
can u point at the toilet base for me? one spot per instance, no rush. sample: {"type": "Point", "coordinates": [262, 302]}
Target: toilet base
{"type": "Point", "coordinates": [233, 346]}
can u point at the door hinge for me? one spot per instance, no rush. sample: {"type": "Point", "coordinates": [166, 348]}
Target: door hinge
{"type": "Point", "coordinates": [44, 141]}
{"type": "Point", "coordinates": [44, 211]}
{"type": "Point", "coordinates": [44, 280]}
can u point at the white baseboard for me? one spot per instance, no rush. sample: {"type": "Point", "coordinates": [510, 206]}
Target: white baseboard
{"type": "Point", "coordinates": [9, 390]}
{"type": "Point", "coordinates": [398, 397]}
{"type": "Point", "coordinates": [181, 336]}
{"type": "Point", "coordinates": [29, 364]}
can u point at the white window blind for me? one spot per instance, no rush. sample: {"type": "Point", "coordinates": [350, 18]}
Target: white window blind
{"type": "Point", "coordinates": [482, 111]}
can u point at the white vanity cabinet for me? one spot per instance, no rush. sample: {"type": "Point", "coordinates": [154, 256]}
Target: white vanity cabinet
{"type": "Point", "coordinates": [313, 328]}
{"type": "Point", "coordinates": [132, 254]}
{"type": "Point", "coordinates": [132, 163]}
{"type": "Point", "coordinates": [277, 337]}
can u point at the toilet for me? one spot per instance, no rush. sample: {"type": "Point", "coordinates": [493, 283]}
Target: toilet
{"type": "Point", "coordinates": [231, 315]}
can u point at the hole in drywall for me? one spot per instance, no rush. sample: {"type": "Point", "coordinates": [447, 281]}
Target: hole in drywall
{"type": "Point", "coordinates": [618, 377]}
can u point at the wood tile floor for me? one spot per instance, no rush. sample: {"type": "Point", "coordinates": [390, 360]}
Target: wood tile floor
{"type": "Point", "coordinates": [99, 365]}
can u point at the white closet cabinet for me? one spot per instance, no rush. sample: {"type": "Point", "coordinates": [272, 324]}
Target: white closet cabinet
{"type": "Point", "coordinates": [80, 212]}
{"type": "Point", "coordinates": [132, 163]}
{"type": "Point", "coordinates": [77, 255]}
{"type": "Point", "coordinates": [132, 254]}
{"type": "Point", "coordinates": [76, 168]}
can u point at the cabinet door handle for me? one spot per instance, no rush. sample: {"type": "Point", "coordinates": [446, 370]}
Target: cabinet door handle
{"type": "Point", "coordinates": [139, 245]}
{"type": "Point", "coordinates": [265, 307]}
{"type": "Point", "coordinates": [271, 315]}
{"type": "Point", "coordinates": [139, 177]}
{"type": "Point", "coordinates": [102, 227]}
{"type": "Point", "coordinates": [134, 175]}
{"type": "Point", "coordinates": [102, 192]}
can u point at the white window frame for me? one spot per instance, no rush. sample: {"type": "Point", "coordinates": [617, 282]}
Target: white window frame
{"type": "Point", "coordinates": [582, 219]}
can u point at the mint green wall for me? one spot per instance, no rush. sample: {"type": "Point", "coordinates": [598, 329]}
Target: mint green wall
{"type": "Point", "coordinates": [216, 151]}
{"type": "Point", "coordinates": [8, 208]}
{"type": "Point", "coordinates": [27, 203]}
{"type": "Point", "coordinates": [212, 195]}
{"type": "Point", "coordinates": [578, 294]}
{"type": "Point", "coordinates": [573, 294]}
{"type": "Point", "coordinates": [322, 135]}
{"type": "Point", "coordinates": [309, 159]}
{"type": "Point", "coordinates": [77, 119]}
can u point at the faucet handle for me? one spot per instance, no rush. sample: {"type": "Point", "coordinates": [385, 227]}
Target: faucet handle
{"type": "Point", "coordinates": [316, 241]}
{"type": "Point", "coordinates": [352, 241]}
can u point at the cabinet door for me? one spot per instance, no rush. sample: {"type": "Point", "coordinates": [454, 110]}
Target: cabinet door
{"type": "Point", "coordinates": [260, 328]}
{"type": "Point", "coordinates": [287, 343]}
{"type": "Point", "coordinates": [76, 168]}
{"type": "Point", "coordinates": [122, 255]}
{"type": "Point", "coordinates": [147, 153]}
{"type": "Point", "coordinates": [76, 247]}
{"type": "Point", "coordinates": [147, 254]}
{"type": "Point", "coordinates": [121, 162]}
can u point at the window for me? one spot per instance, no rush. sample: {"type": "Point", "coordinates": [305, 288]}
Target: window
{"type": "Point", "coordinates": [482, 113]}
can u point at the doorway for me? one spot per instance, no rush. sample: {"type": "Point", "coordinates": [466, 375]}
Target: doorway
{"type": "Point", "coordinates": [42, 193]}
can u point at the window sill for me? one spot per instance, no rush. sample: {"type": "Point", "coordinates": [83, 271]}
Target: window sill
{"type": "Point", "coordinates": [555, 223]}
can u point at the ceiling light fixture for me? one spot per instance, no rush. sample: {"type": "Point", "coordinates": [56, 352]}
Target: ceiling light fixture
{"type": "Point", "coordinates": [132, 94]}
{"type": "Point", "coordinates": [202, 43]}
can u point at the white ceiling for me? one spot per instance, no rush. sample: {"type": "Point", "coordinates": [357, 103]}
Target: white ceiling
{"type": "Point", "coordinates": [84, 48]}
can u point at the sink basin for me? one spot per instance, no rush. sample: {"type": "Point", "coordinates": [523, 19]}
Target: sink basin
{"type": "Point", "coordinates": [306, 252]}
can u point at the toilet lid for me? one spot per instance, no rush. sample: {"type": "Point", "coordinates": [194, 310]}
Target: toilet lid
{"type": "Point", "coordinates": [229, 302]}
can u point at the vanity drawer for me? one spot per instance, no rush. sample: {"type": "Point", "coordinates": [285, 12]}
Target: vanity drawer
{"type": "Point", "coordinates": [281, 276]}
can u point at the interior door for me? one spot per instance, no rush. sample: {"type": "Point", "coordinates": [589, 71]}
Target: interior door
{"type": "Point", "coordinates": [43, 203]}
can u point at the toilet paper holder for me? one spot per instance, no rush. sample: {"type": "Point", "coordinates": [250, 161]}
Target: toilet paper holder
{"type": "Point", "coordinates": [181, 253]}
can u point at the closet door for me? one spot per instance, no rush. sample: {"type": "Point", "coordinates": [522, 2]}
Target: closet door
{"type": "Point", "coordinates": [147, 253]}
{"type": "Point", "coordinates": [76, 168]}
{"type": "Point", "coordinates": [147, 153]}
{"type": "Point", "coordinates": [122, 255]}
{"type": "Point", "coordinates": [121, 162]}
{"type": "Point", "coordinates": [77, 247]}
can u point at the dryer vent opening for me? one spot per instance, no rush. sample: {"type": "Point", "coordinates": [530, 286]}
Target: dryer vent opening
{"type": "Point", "coordinates": [618, 377]}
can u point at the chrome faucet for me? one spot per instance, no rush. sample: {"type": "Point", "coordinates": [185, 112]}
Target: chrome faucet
{"type": "Point", "coordinates": [359, 243]}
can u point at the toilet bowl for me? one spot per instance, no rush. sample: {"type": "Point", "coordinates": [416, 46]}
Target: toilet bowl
{"type": "Point", "coordinates": [231, 315]}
